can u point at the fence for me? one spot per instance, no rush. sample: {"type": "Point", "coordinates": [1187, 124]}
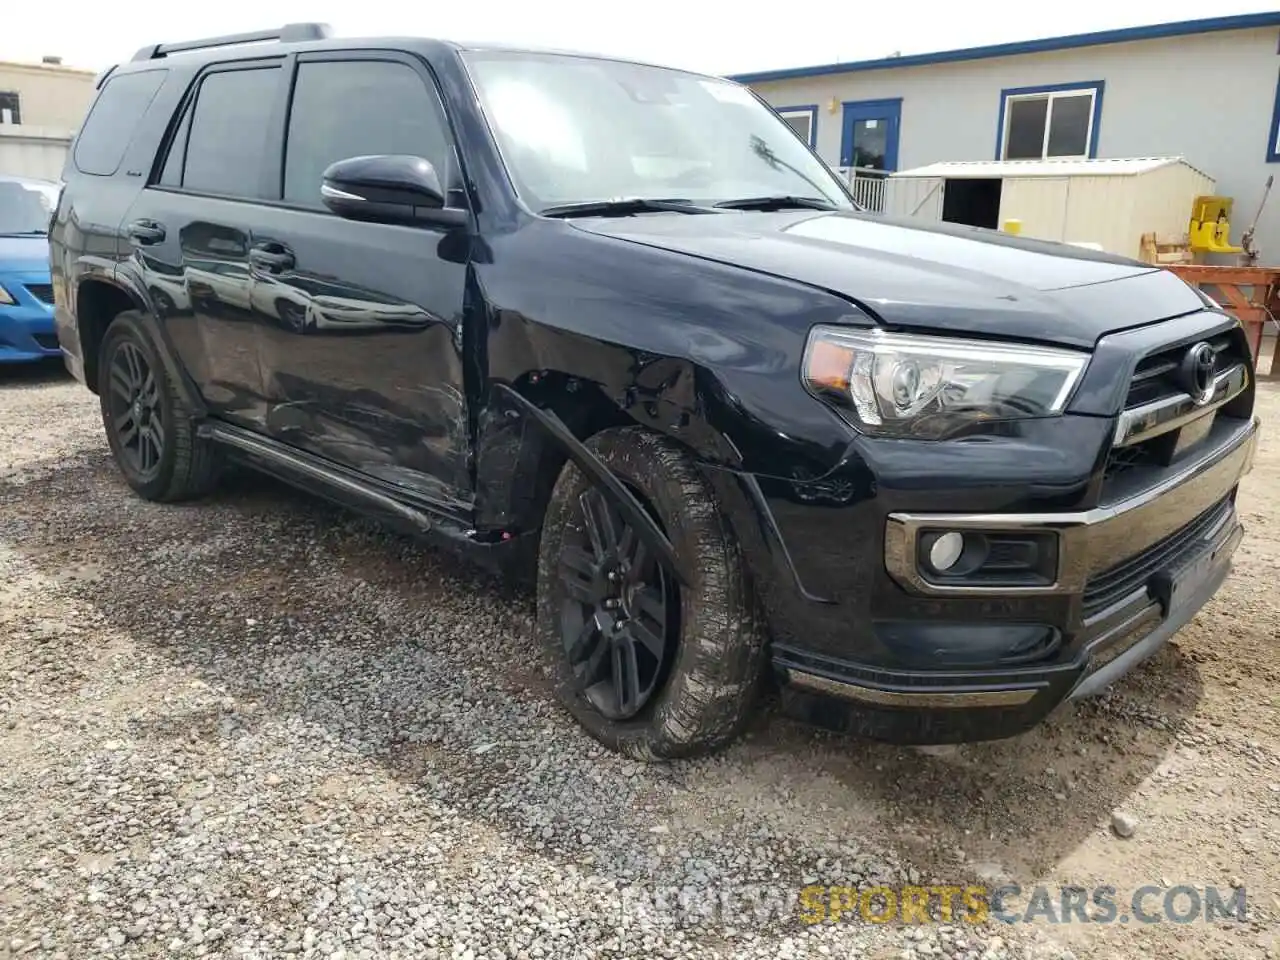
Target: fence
{"type": "Point", "coordinates": [866, 185]}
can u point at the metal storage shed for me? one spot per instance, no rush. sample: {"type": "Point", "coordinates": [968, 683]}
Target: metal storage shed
{"type": "Point", "coordinates": [1111, 203]}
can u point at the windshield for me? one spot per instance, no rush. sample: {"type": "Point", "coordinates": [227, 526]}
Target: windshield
{"type": "Point", "coordinates": [26, 206]}
{"type": "Point", "coordinates": [575, 129]}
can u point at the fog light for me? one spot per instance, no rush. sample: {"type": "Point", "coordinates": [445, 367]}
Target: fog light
{"type": "Point", "coordinates": [946, 551]}
{"type": "Point", "coordinates": [981, 558]}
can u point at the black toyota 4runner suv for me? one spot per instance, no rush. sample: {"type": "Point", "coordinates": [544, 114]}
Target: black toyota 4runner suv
{"type": "Point", "coordinates": [617, 325]}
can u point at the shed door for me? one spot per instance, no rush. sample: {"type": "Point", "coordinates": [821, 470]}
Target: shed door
{"type": "Point", "coordinates": [914, 197]}
{"type": "Point", "coordinates": [1040, 203]}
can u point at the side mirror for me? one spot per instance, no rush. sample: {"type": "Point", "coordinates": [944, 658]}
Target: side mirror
{"type": "Point", "coordinates": [387, 189]}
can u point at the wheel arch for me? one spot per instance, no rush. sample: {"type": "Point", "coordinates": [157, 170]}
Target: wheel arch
{"type": "Point", "coordinates": [99, 301]}
{"type": "Point", "coordinates": [532, 427]}
{"type": "Point", "coordinates": [559, 428]}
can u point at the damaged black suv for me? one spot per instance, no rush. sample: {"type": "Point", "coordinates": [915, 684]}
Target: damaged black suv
{"type": "Point", "coordinates": [618, 326]}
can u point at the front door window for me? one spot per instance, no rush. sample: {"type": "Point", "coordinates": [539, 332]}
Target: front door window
{"type": "Point", "coordinates": [870, 143]}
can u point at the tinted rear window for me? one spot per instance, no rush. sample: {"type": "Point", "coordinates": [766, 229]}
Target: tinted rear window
{"type": "Point", "coordinates": [229, 130]}
{"type": "Point", "coordinates": [113, 119]}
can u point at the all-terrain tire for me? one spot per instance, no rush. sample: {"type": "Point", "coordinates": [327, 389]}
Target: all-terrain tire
{"type": "Point", "coordinates": [187, 465]}
{"type": "Point", "coordinates": [717, 667]}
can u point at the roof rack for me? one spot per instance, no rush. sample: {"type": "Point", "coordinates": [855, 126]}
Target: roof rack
{"type": "Point", "coordinates": [289, 33]}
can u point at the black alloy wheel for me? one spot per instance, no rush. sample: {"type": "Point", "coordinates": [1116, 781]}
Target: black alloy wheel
{"type": "Point", "coordinates": [654, 663]}
{"type": "Point", "coordinates": [151, 428]}
{"type": "Point", "coordinates": [136, 411]}
{"type": "Point", "coordinates": [619, 621]}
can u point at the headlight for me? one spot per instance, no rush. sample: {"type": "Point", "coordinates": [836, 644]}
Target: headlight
{"type": "Point", "coordinates": [6, 298]}
{"type": "Point", "coordinates": [902, 385]}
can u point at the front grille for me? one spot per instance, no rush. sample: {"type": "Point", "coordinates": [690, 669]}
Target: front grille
{"type": "Point", "coordinates": [41, 291]}
{"type": "Point", "coordinates": [1123, 459]}
{"type": "Point", "coordinates": [47, 341]}
{"type": "Point", "coordinates": [1114, 584]}
{"type": "Point", "coordinates": [1156, 376]}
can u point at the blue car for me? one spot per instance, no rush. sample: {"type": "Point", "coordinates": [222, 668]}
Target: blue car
{"type": "Point", "coordinates": [26, 293]}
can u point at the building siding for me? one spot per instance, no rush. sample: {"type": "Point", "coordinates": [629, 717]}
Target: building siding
{"type": "Point", "coordinates": [1207, 97]}
{"type": "Point", "coordinates": [53, 100]}
{"type": "Point", "coordinates": [51, 96]}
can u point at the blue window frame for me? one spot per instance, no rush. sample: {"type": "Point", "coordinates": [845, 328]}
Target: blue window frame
{"type": "Point", "coordinates": [869, 134]}
{"type": "Point", "coordinates": [804, 119]}
{"type": "Point", "coordinates": [1273, 133]}
{"type": "Point", "coordinates": [1060, 120]}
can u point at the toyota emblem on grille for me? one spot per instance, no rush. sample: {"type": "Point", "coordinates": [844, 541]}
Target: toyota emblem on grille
{"type": "Point", "coordinates": [1197, 373]}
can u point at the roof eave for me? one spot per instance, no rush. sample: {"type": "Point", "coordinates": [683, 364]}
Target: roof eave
{"type": "Point", "coordinates": [1157, 31]}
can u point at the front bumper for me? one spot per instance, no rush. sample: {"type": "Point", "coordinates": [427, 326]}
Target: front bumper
{"type": "Point", "coordinates": [1131, 575]}
{"type": "Point", "coordinates": [26, 327]}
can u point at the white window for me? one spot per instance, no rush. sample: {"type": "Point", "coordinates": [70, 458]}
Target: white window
{"type": "Point", "coordinates": [10, 111]}
{"type": "Point", "coordinates": [804, 120]}
{"type": "Point", "coordinates": [1043, 123]}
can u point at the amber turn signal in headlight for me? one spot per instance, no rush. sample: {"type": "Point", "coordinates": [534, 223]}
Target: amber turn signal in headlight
{"type": "Point", "coordinates": [903, 385]}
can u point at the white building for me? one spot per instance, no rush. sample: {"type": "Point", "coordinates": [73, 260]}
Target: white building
{"type": "Point", "coordinates": [41, 106]}
{"type": "Point", "coordinates": [1206, 90]}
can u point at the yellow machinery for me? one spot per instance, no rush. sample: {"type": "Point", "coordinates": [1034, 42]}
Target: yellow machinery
{"type": "Point", "coordinates": [1210, 228]}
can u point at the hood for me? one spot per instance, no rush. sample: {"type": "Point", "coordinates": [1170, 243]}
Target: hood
{"type": "Point", "coordinates": [942, 277]}
{"type": "Point", "coordinates": [24, 254]}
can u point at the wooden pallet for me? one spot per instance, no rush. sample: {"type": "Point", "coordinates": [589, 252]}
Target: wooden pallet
{"type": "Point", "coordinates": [1250, 293]}
{"type": "Point", "coordinates": [1162, 250]}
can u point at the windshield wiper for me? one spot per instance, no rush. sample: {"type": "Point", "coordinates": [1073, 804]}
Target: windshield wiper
{"type": "Point", "coordinates": [24, 233]}
{"type": "Point", "coordinates": [776, 203]}
{"type": "Point", "coordinates": [621, 207]}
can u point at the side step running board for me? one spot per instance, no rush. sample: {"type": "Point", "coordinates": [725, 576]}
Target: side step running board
{"type": "Point", "coordinates": [300, 464]}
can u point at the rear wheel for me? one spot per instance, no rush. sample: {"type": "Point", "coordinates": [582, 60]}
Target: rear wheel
{"type": "Point", "coordinates": [650, 667]}
{"type": "Point", "coordinates": [151, 431]}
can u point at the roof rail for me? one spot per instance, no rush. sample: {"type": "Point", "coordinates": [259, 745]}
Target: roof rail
{"type": "Point", "coordinates": [289, 33]}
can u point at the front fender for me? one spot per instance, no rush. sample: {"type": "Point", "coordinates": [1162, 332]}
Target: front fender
{"type": "Point", "coordinates": [705, 353]}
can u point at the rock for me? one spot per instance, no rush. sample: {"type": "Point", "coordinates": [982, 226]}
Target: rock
{"type": "Point", "coordinates": [1123, 824]}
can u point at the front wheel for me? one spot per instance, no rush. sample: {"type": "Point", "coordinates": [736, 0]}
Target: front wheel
{"type": "Point", "coordinates": [650, 667]}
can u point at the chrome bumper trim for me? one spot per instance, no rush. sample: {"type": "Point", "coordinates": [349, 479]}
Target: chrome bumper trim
{"type": "Point", "coordinates": [920, 699]}
{"type": "Point", "coordinates": [1089, 541]}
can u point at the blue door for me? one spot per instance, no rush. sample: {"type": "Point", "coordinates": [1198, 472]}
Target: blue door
{"type": "Point", "coordinates": [870, 137]}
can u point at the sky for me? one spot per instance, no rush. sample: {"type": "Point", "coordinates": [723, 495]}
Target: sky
{"type": "Point", "coordinates": [708, 36]}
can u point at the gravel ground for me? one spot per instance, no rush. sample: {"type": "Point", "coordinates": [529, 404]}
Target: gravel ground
{"type": "Point", "coordinates": [260, 727]}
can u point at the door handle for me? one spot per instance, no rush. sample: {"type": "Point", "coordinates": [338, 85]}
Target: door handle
{"type": "Point", "coordinates": [146, 232]}
{"type": "Point", "coordinates": [271, 257]}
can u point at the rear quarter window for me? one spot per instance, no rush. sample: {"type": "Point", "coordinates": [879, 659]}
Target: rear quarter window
{"type": "Point", "coordinates": [113, 119]}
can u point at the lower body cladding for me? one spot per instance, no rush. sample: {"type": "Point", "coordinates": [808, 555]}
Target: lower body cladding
{"type": "Point", "coordinates": [1123, 579]}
